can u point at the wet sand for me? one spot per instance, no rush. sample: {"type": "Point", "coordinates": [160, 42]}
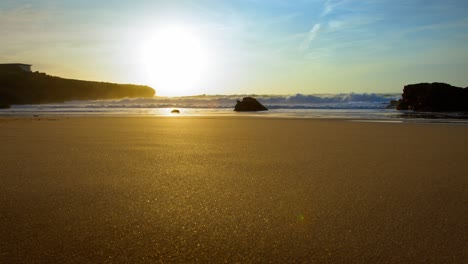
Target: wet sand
{"type": "Point", "coordinates": [211, 190]}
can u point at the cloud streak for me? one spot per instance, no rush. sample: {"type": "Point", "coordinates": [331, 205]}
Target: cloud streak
{"type": "Point", "coordinates": [330, 6]}
{"type": "Point", "coordinates": [313, 33]}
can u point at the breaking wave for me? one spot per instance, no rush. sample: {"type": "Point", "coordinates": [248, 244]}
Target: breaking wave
{"type": "Point", "coordinates": [297, 101]}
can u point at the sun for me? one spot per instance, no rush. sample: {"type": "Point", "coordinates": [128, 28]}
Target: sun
{"type": "Point", "coordinates": [175, 60]}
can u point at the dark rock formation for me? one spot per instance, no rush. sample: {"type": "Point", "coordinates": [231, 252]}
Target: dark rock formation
{"type": "Point", "coordinates": [433, 97]}
{"type": "Point", "coordinates": [249, 104]}
{"type": "Point", "coordinates": [20, 87]}
{"type": "Point", "coordinates": [392, 105]}
{"type": "Point", "coordinates": [175, 111]}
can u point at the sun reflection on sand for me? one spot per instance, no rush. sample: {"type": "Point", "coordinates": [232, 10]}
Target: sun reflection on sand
{"type": "Point", "coordinates": [167, 112]}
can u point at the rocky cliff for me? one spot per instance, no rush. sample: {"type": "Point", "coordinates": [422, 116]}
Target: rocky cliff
{"type": "Point", "coordinates": [433, 97]}
{"type": "Point", "coordinates": [18, 87]}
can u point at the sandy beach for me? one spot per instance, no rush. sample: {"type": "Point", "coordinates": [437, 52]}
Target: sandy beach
{"type": "Point", "coordinates": [246, 190]}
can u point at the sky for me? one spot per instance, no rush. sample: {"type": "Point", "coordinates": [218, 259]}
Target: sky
{"type": "Point", "coordinates": [188, 47]}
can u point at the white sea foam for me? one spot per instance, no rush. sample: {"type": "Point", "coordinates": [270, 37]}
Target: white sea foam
{"type": "Point", "coordinates": [297, 101]}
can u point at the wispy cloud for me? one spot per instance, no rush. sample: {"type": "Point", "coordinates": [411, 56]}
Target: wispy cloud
{"type": "Point", "coordinates": [313, 33]}
{"type": "Point", "coordinates": [330, 6]}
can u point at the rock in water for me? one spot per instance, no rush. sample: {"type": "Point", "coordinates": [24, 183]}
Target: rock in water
{"type": "Point", "coordinates": [175, 111]}
{"type": "Point", "coordinates": [433, 97]}
{"type": "Point", "coordinates": [249, 104]}
{"type": "Point", "coordinates": [392, 105]}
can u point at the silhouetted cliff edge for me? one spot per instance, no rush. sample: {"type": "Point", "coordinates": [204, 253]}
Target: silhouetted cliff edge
{"type": "Point", "coordinates": [17, 87]}
{"type": "Point", "coordinates": [433, 97]}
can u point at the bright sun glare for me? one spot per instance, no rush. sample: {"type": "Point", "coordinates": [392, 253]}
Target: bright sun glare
{"type": "Point", "coordinates": [176, 60]}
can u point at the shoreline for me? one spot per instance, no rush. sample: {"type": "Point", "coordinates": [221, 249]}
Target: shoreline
{"type": "Point", "coordinates": [437, 121]}
{"type": "Point", "coordinates": [324, 113]}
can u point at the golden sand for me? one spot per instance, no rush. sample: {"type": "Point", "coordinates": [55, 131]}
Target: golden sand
{"type": "Point", "coordinates": [142, 189]}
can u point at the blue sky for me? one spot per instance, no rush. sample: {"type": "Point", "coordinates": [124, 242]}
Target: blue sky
{"type": "Point", "coordinates": [253, 46]}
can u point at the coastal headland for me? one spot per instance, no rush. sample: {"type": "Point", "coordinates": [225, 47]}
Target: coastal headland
{"type": "Point", "coordinates": [176, 189]}
{"type": "Point", "coordinates": [22, 87]}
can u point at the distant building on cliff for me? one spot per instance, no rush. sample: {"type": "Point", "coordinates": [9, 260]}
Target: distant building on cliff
{"type": "Point", "coordinates": [15, 67]}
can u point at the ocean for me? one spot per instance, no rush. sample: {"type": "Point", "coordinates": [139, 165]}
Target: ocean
{"type": "Point", "coordinates": [356, 106]}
